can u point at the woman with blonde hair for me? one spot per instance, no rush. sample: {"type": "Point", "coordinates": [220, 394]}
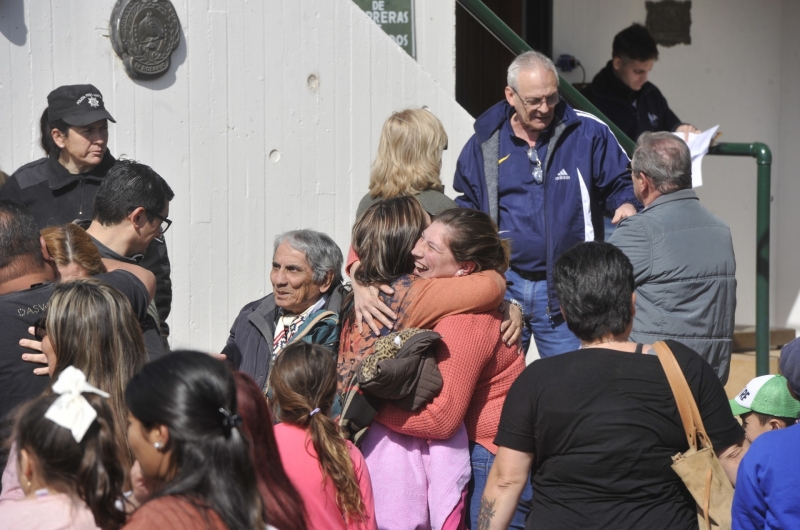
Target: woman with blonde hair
{"type": "Point", "coordinates": [328, 471]}
{"type": "Point", "coordinates": [73, 251]}
{"type": "Point", "coordinates": [409, 161]}
{"type": "Point", "coordinates": [91, 326]}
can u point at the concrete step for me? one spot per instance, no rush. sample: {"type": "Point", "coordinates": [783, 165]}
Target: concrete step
{"type": "Point", "coordinates": [744, 338]}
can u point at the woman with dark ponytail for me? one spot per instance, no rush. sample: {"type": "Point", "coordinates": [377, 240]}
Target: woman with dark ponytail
{"type": "Point", "coordinates": [329, 472]}
{"type": "Point", "coordinates": [68, 460]}
{"type": "Point", "coordinates": [185, 431]}
{"type": "Point", "coordinates": [61, 187]}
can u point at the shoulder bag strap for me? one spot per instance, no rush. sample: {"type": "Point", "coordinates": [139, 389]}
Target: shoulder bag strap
{"type": "Point", "coordinates": [309, 325]}
{"type": "Point", "coordinates": [680, 389]}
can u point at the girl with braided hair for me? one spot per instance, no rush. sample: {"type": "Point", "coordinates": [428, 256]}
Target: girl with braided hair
{"type": "Point", "coordinates": [328, 471]}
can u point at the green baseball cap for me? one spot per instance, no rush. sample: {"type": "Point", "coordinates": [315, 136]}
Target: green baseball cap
{"type": "Point", "coordinates": [767, 394]}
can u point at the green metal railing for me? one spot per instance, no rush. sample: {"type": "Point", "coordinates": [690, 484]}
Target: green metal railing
{"type": "Point", "coordinates": [506, 36]}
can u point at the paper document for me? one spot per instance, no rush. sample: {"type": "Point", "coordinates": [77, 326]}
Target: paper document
{"type": "Point", "coordinates": [698, 145]}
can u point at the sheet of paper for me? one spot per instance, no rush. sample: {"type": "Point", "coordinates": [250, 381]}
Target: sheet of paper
{"type": "Point", "coordinates": [698, 145]}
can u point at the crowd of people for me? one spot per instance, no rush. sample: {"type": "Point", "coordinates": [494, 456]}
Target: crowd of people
{"type": "Point", "coordinates": [399, 399]}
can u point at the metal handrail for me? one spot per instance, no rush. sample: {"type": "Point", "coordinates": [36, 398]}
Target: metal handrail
{"type": "Point", "coordinates": [506, 36]}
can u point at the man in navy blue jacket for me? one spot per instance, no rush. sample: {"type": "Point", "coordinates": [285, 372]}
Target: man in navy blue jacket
{"type": "Point", "coordinates": [622, 92]}
{"type": "Point", "coordinates": [540, 168]}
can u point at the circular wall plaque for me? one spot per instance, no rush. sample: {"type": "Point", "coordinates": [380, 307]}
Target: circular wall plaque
{"type": "Point", "coordinates": [144, 33]}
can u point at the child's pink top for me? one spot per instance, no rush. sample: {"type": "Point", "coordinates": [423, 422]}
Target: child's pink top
{"type": "Point", "coordinates": [51, 512]}
{"type": "Point", "coordinates": [302, 467]}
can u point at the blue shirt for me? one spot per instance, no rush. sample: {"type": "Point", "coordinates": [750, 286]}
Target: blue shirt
{"type": "Point", "coordinates": [521, 209]}
{"type": "Point", "coordinates": [768, 483]}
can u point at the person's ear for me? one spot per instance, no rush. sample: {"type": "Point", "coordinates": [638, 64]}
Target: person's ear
{"type": "Point", "coordinates": [616, 63]}
{"type": "Point", "coordinates": [775, 424]}
{"type": "Point", "coordinates": [46, 253]}
{"type": "Point", "coordinates": [326, 283]}
{"type": "Point", "coordinates": [646, 182]}
{"type": "Point", "coordinates": [58, 138]}
{"type": "Point", "coordinates": [25, 464]}
{"type": "Point", "coordinates": [138, 217]}
{"type": "Point", "coordinates": [158, 436]}
{"type": "Point", "coordinates": [466, 268]}
{"type": "Point", "coordinates": [510, 95]}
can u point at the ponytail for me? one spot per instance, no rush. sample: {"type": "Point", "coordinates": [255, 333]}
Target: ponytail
{"type": "Point", "coordinates": [303, 380]}
{"type": "Point", "coordinates": [46, 129]}
{"type": "Point", "coordinates": [334, 459]}
{"type": "Point", "coordinates": [89, 469]}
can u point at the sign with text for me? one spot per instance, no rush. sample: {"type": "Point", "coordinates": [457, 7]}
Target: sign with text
{"type": "Point", "coordinates": [395, 17]}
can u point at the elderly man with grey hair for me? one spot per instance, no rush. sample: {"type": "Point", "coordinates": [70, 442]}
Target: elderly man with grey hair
{"type": "Point", "coordinates": [546, 173]}
{"type": "Point", "coordinates": [682, 255]}
{"type": "Point", "coordinates": [304, 305]}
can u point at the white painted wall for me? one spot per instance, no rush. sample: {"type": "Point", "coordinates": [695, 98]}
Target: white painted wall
{"type": "Point", "coordinates": [250, 146]}
{"type": "Point", "coordinates": [436, 41]}
{"type": "Point", "coordinates": [740, 71]}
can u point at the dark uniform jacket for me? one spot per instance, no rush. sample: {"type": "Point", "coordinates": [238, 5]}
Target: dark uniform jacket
{"type": "Point", "coordinates": [55, 196]}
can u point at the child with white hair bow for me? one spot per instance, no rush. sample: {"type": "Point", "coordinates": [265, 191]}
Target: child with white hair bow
{"type": "Point", "coordinates": [68, 461]}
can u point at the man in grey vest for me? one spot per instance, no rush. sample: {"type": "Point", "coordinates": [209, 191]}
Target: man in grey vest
{"type": "Point", "coordinates": [682, 256]}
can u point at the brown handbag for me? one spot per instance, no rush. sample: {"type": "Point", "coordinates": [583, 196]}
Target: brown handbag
{"type": "Point", "coordinates": [699, 468]}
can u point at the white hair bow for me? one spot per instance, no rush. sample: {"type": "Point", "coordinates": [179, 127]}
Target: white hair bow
{"type": "Point", "coordinates": [71, 410]}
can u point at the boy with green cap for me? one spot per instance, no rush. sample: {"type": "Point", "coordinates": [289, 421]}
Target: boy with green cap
{"type": "Point", "coordinates": [765, 404]}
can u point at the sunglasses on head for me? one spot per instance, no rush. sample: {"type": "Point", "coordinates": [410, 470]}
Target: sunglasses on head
{"type": "Point", "coordinates": [40, 329]}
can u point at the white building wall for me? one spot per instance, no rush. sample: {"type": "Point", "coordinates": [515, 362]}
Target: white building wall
{"type": "Point", "coordinates": [267, 121]}
{"type": "Point", "coordinates": [741, 71]}
{"type": "Point", "coordinates": [436, 40]}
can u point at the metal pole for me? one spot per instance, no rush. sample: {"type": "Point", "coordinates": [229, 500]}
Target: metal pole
{"type": "Point", "coordinates": [763, 156]}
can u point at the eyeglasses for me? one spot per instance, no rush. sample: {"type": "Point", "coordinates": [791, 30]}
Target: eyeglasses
{"type": "Point", "coordinates": [164, 221]}
{"type": "Point", "coordinates": [40, 329]}
{"type": "Point", "coordinates": [534, 104]}
{"type": "Point", "coordinates": [536, 170]}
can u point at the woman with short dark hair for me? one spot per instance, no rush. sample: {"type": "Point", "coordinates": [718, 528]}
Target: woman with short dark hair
{"type": "Point", "coordinates": [600, 424]}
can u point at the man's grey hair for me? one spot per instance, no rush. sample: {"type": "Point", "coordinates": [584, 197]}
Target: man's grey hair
{"type": "Point", "coordinates": [322, 253]}
{"type": "Point", "coordinates": [665, 159]}
{"type": "Point", "coordinates": [531, 60]}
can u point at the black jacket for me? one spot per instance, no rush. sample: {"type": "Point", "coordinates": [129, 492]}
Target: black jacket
{"type": "Point", "coordinates": [633, 112]}
{"type": "Point", "coordinates": [54, 196]}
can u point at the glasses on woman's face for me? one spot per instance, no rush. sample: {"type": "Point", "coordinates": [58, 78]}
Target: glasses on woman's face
{"type": "Point", "coordinates": [40, 329]}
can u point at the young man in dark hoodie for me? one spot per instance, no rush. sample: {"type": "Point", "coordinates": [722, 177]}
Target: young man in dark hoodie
{"type": "Point", "coordinates": [622, 92]}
